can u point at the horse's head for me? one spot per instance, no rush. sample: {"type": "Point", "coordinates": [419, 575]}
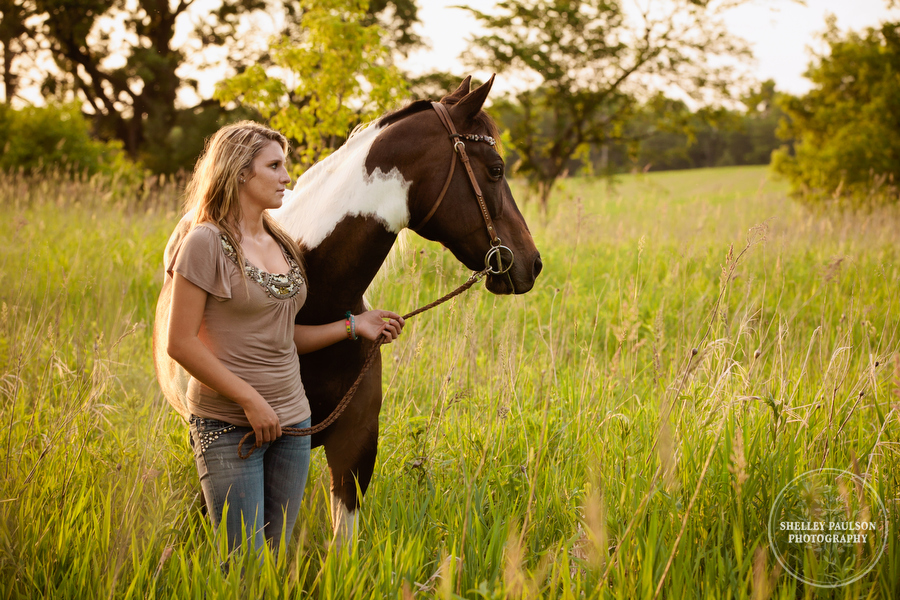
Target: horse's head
{"type": "Point", "coordinates": [446, 208]}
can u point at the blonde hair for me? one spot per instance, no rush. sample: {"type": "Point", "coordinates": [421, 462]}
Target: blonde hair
{"type": "Point", "coordinates": [212, 192]}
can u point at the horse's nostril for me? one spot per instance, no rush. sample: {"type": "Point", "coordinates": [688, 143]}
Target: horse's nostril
{"type": "Point", "coordinates": [538, 265]}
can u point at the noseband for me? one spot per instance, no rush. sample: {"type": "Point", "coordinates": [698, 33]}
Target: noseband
{"type": "Point", "coordinates": [497, 252]}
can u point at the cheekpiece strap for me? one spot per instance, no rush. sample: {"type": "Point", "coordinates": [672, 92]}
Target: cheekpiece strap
{"type": "Point", "coordinates": [460, 149]}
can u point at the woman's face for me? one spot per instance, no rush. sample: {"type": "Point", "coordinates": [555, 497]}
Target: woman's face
{"type": "Point", "coordinates": [264, 185]}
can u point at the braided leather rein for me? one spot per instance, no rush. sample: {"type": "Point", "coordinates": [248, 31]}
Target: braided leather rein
{"type": "Point", "coordinates": [496, 252]}
{"type": "Point", "coordinates": [370, 359]}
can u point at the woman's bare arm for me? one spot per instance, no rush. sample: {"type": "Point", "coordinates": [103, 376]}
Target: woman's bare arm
{"type": "Point", "coordinates": [188, 302]}
{"type": "Point", "coordinates": [370, 325]}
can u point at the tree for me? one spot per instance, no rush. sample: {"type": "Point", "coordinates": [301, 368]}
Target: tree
{"type": "Point", "coordinates": [396, 19]}
{"type": "Point", "coordinates": [341, 72]}
{"type": "Point", "coordinates": [846, 130]}
{"type": "Point", "coordinates": [592, 62]}
{"type": "Point", "coordinates": [15, 35]}
{"type": "Point", "coordinates": [121, 59]}
{"type": "Point", "coordinates": [133, 100]}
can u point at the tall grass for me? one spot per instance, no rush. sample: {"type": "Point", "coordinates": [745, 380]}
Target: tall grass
{"type": "Point", "coordinates": [695, 342]}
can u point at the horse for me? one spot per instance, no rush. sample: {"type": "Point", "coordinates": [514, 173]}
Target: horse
{"type": "Point", "coordinates": [346, 213]}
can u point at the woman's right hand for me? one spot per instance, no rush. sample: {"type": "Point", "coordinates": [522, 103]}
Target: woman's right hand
{"type": "Point", "coordinates": [372, 325]}
{"type": "Point", "coordinates": [263, 420]}
{"type": "Point", "coordinates": [184, 345]}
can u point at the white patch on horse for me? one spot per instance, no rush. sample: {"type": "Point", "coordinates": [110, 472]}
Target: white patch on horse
{"type": "Point", "coordinates": [343, 521]}
{"type": "Point", "coordinates": [339, 187]}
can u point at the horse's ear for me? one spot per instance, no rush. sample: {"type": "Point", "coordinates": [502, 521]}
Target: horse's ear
{"type": "Point", "coordinates": [460, 92]}
{"type": "Point", "coordinates": [469, 106]}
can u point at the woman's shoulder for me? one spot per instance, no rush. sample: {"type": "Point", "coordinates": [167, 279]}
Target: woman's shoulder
{"type": "Point", "coordinates": [205, 235]}
{"type": "Point", "coordinates": [201, 259]}
{"type": "Point", "coordinates": [206, 229]}
{"type": "Point", "coordinates": [203, 242]}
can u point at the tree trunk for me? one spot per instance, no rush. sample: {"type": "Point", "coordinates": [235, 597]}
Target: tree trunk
{"type": "Point", "coordinates": [9, 78]}
{"type": "Point", "coordinates": [544, 189]}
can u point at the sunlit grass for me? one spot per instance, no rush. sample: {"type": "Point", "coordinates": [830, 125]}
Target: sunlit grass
{"type": "Point", "coordinates": [556, 444]}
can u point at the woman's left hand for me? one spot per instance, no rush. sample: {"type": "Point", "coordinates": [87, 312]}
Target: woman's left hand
{"type": "Point", "coordinates": [373, 324]}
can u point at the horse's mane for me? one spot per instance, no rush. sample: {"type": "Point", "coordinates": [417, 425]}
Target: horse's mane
{"type": "Point", "coordinates": [482, 119]}
{"type": "Point", "coordinates": [412, 108]}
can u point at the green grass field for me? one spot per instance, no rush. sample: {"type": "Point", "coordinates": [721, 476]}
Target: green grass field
{"type": "Point", "coordinates": [695, 342]}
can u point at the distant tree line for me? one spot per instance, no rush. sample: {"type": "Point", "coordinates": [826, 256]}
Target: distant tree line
{"type": "Point", "coordinates": [591, 63]}
{"type": "Point", "coordinates": [664, 134]}
{"type": "Point", "coordinates": [717, 137]}
{"type": "Point", "coordinates": [119, 91]}
{"type": "Point", "coordinates": [838, 142]}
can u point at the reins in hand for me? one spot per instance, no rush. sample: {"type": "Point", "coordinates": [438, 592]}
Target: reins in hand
{"type": "Point", "coordinates": [370, 358]}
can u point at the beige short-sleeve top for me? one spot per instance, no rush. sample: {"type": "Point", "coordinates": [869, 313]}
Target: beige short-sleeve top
{"type": "Point", "coordinates": [248, 324]}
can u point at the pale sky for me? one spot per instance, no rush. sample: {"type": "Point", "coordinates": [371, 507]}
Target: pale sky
{"type": "Point", "coordinates": [779, 31]}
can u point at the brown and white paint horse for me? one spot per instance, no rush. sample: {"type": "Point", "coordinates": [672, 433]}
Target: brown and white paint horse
{"type": "Point", "coordinates": [346, 213]}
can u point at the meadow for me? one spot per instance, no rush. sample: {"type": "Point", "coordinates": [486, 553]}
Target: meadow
{"type": "Point", "coordinates": [695, 342]}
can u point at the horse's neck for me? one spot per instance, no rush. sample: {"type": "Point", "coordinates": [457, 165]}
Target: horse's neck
{"type": "Point", "coordinates": [339, 187]}
{"type": "Point", "coordinates": [347, 220]}
{"type": "Point", "coordinates": [343, 266]}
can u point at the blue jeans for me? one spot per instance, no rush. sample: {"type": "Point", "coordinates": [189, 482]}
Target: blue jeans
{"type": "Point", "coordinates": [263, 491]}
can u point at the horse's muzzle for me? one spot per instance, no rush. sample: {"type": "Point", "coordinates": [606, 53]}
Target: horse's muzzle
{"type": "Point", "coordinates": [517, 280]}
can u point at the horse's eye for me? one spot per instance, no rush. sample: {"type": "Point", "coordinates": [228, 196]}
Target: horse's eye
{"type": "Point", "coordinates": [496, 172]}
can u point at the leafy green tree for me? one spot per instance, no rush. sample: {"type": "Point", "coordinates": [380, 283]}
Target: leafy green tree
{"type": "Point", "coordinates": [58, 136]}
{"type": "Point", "coordinates": [341, 73]}
{"type": "Point", "coordinates": [590, 61]}
{"type": "Point", "coordinates": [133, 100]}
{"type": "Point", "coordinates": [122, 59]}
{"type": "Point", "coordinates": [846, 130]}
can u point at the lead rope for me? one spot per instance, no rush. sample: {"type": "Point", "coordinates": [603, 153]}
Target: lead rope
{"type": "Point", "coordinates": [370, 358]}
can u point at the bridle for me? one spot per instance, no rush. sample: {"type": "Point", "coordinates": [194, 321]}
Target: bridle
{"type": "Point", "coordinates": [494, 259]}
{"type": "Point", "coordinates": [496, 252]}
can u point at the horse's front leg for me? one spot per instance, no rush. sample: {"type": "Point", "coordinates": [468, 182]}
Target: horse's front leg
{"type": "Point", "coordinates": [351, 449]}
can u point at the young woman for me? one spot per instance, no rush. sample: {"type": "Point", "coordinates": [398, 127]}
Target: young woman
{"type": "Point", "coordinates": [238, 284]}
